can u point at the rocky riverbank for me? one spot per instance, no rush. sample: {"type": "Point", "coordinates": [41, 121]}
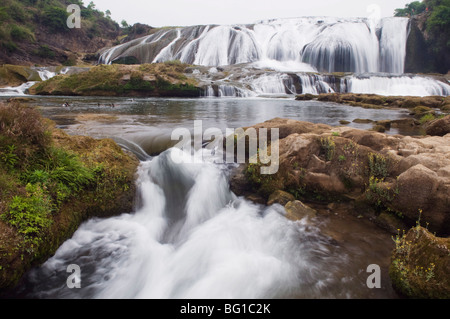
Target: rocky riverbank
{"type": "Point", "coordinates": [394, 180]}
{"type": "Point", "coordinates": [59, 182]}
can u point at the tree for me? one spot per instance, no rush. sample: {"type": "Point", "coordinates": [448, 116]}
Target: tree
{"type": "Point", "coordinates": [55, 18]}
{"type": "Point", "coordinates": [124, 24]}
{"type": "Point", "coordinates": [91, 5]}
{"type": "Point", "coordinates": [411, 9]}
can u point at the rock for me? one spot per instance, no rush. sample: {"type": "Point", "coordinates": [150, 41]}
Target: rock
{"type": "Point", "coordinates": [305, 97]}
{"type": "Point", "coordinates": [420, 111]}
{"type": "Point", "coordinates": [403, 174]}
{"type": "Point", "coordinates": [280, 197]}
{"type": "Point", "coordinates": [379, 128]}
{"type": "Point", "coordinates": [420, 265]}
{"type": "Point", "coordinates": [417, 191]}
{"type": "Point", "coordinates": [404, 122]}
{"type": "Point", "coordinates": [385, 123]}
{"type": "Point", "coordinates": [439, 127]}
{"type": "Point", "coordinates": [344, 122]}
{"type": "Point", "coordinates": [390, 222]}
{"type": "Point", "coordinates": [362, 121]}
{"type": "Point", "coordinates": [296, 210]}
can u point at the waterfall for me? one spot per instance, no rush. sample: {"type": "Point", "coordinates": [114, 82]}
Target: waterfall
{"type": "Point", "coordinates": [326, 44]}
{"type": "Point", "coordinates": [191, 237]}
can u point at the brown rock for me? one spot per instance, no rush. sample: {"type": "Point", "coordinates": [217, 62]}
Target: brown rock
{"type": "Point", "coordinates": [280, 197]}
{"type": "Point", "coordinates": [296, 210]}
{"type": "Point", "coordinates": [439, 127]}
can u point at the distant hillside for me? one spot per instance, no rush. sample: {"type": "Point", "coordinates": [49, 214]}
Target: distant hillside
{"type": "Point", "coordinates": [35, 32]}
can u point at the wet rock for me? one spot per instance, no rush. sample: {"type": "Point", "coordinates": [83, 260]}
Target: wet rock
{"type": "Point", "coordinates": [362, 121]}
{"type": "Point", "coordinates": [296, 210]}
{"type": "Point", "coordinates": [280, 197]}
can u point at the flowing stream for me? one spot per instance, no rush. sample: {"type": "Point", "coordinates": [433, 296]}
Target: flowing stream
{"type": "Point", "coordinates": [189, 236]}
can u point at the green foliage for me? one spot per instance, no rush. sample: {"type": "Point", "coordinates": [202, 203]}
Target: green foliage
{"type": "Point", "coordinates": [440, 18]}
{"type": "Point", "coordinates": [55, 18]}
{"type": "Point", "coordinates": [9, 46]}
{"type": "Point", "coordinates": [412, 8]}
{"type": "Point", "coordinates": [9, 157]}
{"type": "Point", "coordinates": [17, 12]}
{"type": "Point", "coordinates": [30, 215]}
{"type": "Point", "coordinates": [437, 37]}
{"type": "Point", "coordinates": [328, 147]}
{"type": "Point", "coordinates": [67, 169]}
{"type": "Point", "coordinates": [427, 118]}
{"type": "Point", "coordinates": [378, 166]}
{"type": "Point", "coordinates": [44, 52]}
{"type": "Point", "coordinates": [21, 33]}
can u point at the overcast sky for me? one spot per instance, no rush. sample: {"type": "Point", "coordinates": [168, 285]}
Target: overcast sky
{"type": "Point", "coordinates": [160, 13]}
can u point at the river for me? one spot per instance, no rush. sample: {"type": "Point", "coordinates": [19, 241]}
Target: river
{"type": "Point", "coordinates": [189, 235]}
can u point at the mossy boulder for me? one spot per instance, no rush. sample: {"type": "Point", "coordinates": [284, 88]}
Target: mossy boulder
{"type": "Point", "coordinates": [420, 265]}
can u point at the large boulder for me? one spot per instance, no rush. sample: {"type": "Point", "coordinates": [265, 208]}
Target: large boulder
{"type": "Point", "coordinates": [439, 127]}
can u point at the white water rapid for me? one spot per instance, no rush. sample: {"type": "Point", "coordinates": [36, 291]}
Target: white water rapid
{"type": "Point", "coordinates": [190, 237]}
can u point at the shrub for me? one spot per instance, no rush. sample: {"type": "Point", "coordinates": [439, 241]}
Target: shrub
{"type": "Point", "coordinates": [16, 12]}
{"type": "Point", "coordinates": [378, 166]}
{"type": "Point", "coordinates": [44, 52]}
{"type": "Point", "coordinates": [23, 128]}
{"type": "Point", "coordinates": [9, 46]}
{"type": "Point", "coordinates": [55, 19]}
{"type": "Point", "coordinates": [30, 215]}
{"type": "Point", "coordinates": [20, 33]}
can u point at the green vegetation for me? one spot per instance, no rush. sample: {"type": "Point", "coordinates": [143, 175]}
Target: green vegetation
{"type": "Point", "coordinates": [49, 183]}
{"type": "Point", "coordinates": [48, 175]}
{"type": "Point", "coordinates": [21, 19]}
{"type": "Point", "coordinates": [437, 27]}
{"type": "Point", "coordinates": [410, 9]}
{"type": "Point", "coordinates": [164, 79]}
{"type": "Point", "coordinates": [419, 267]}
{"type": "Point", "coordinates": [378, 166]}
{"type": "Point", "coordinates": [328, 147]}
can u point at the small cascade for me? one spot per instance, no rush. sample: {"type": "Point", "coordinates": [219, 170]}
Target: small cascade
{"type": "Point", "coordinates": [404, 85]}
{"type": "Point", "coordinates": [17, 90]}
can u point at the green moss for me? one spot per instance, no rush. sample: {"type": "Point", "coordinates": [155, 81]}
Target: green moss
{"type": "Point", "coordinates": [427, 118]}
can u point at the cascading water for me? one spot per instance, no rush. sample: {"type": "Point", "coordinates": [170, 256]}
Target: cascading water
{"type": "Point", "coordinates": [192, 238]}
{"type": "Point", "coordinates": [326, 44]}
{"type": "Point", "coordinates": [292, 52]}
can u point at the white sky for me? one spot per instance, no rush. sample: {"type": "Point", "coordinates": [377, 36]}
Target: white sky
{"type": "Point", "coordinates": [160, 13]}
